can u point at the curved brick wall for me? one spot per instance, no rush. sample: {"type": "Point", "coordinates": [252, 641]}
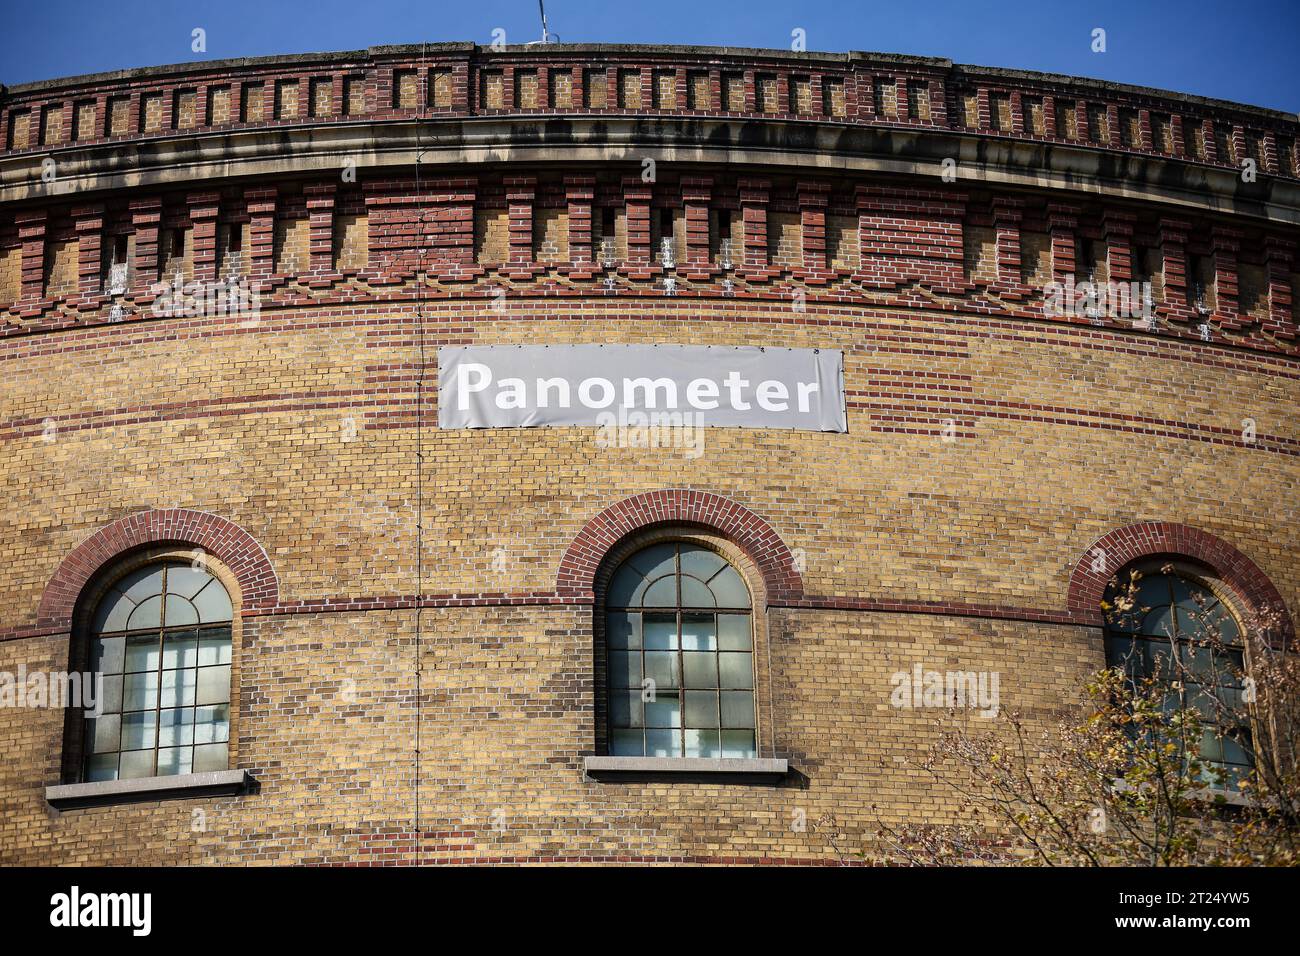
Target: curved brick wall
{"type": "Point", "coordinates": [991, 447]}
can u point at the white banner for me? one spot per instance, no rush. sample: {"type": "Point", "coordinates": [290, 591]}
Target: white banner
{"type": "Point", "coordinates": [528, 386]}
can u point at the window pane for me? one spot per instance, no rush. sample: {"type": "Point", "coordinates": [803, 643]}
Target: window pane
{"type": "Point", "coordinates": [214, 685]}
{"type": "Point", "coordinates": [737, 708]}
{"type": "Point", "coordinates": [695, 594]}
{"type": "Point", "coordinates": [737, 670]}
{"type": "Point", "coordinates": [624, 586]}
{"type": "Point", "coordinates": [733, 632]}
{"type": "Point", "coordinates": [176, 727]}
{"type": "Point", "coordinates": [729, 589]}
{"type": "Point", "coordinates": [701, 708]}
{"type": "Point", "coordinates": [106, 654]}
{"type": "Point", "coordinates": [111, 695]}
{"type": "Point", "coordinates": [180, 650]}
{"type": "Point", "coordinates": [213, 603]}
{"type": "Point", "coordinates": [663, 743]}
{"type": "Point", "coordinates": [661, 667]}
{"type": "Point", "coordinates": [663, 593]}
{"type": "Point", "coordinates": [212, 724]}
{"type": "Point", "coordinates": [177, 689]}
{"type": "Point", "coordinates": [624, 669]}
{"type": "Point", "coordinates": [655, 560]}
{"type": "Point", "coordinates": [1159, 622]}
{"type": "Point", "coordinates": [738, 743]}
{"type": "Point", "coordinates": [101, 767]}
{"type": "Point", "coordinates": [186, 580]}
{"type": "Point", "coordinates": [702, 743]}
{"type": "Point", "coordinates": [209, 757]}
{"type": "Point", "coordinates": [138, 763]}
{"type": "Point", "coordinates": [142, 652]}
{"type": "Point", "coordinates": [698, 632]}
{"type": "Point", "coordinates": [102, 734]}
{"type": "Point", "coordinates": [140, 691]}
{"type": "Point", "coordinates": [621, 630]}
{"type": "Point", "coordinates": [701, 669]}
{"type": "Point", "coordinates": [112, 614]}
{"type": "Point", "coordinates": [180, 612]}
{"type": "Point", "coordinates": [701, 562]}
{"type": "Point", "coordinates": [664, 711]}
{"type": "Point", "coordinates": [174, 760]}
{"type": "Point", "coordinates": [146, 614]}
{"type": "Point", "coordinates": [659, 631]}
{"type": "Point", "coordinates": [214, 646]}
{"type": "Point", "coordinates": [141, 584]}
{"type": "Point", "coordinates": [625, 708]}
{"type": "Point", "coordinates": [626, 743]}
{"type": "Point", "coordinates": [139, 730]}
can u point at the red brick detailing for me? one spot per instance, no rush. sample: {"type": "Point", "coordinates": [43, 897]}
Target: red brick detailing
{"type": "Point", "coordinates": [1159, 538]}
{"type": "Point", "coordinates": [755, 536]}
{"type": "Point", "coordinates": [228, 542]}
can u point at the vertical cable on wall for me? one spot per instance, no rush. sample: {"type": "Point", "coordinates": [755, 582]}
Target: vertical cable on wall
{"type": "Point", "coordinates": [423, 92]}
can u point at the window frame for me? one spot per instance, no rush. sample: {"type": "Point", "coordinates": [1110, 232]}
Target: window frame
{"type": "Point", "coordinates": [1210, 581]}
{"type": "Point", "coordinates": [764, 745]}
{"type": "Point", "coordinates": [74, 749]}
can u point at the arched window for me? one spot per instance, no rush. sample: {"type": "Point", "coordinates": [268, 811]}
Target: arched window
{"type": "Point", "coordinates": [161, 637]}
{"type": "Point", "coordinates": [1180, 630]}
{"type": "Point", "coordinates": [679, 637]}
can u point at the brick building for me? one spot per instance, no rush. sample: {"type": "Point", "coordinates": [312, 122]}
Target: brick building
{"type": "Point", "coordinates": [332, 631]}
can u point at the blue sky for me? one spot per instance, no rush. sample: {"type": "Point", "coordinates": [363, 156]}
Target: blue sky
{"type": "Point", "coordinates": [1244, 51]}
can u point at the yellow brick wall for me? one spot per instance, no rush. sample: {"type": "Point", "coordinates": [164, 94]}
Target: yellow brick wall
{"type": "Point", "coordinates": [11, 274]}
{"type": "Point", "coordinates": [351, 242]}
{"type": "Point", "coordinates": [902, 502]}
{"type": "Point", "coordinates": [292, 252]}
{"type": "Point", "coordinates": [331, 730]}
{"type": "Point", "coordinates": [219, 111]}
{"type": "Point", "coordinates": [61, 268]}
{"type": "Point", "coordinates": [784, 240]}
{"type": "Point", "coordinates": [491, 235]}
{"type": "Point", "coordinates": [551, 235]}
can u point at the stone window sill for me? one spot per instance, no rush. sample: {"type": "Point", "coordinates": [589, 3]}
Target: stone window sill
{"type": "Point", "coordinates": [71, 796]}
{"type": "Point", "coordinates": [688, 769]}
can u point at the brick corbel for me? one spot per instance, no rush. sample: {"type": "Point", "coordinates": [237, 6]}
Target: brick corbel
{"type": "Point", "coordinates": [813, 197]}
{"type": "Point", "coordinates": [520, 194]}
{"type": "Point", "coordinates": [146, 219]}
{"type": "Point", "coordinates": [636, 200]}
{"type": "Point", "coordinates": [31, 225]}
{"type": "Point", "coordinates": [204, 210]}
{"type": "Point", "coordinates": [1007, 215]}
{"type": "Point", "coordinates": [1225, 243]}
{"type": "Point", "coordinates": [261, 203]}
{"type": "Point", "coordinates": [1118, 230]}
{"type": "Point", "coordinates": [579, 193]}
{"type": "Point", "coordinates": [1173, 257]}
{"type": "Point", "coordinates": [754, 196]}
{"type": "Point", "coordinates": [697, 192]}
{"type": "Point", "coordinates": [90, 232]}
{"type": "Point", "coordinates": [1279, 256]}
{"type": "Point", "coordinates": [1062, 220]}
{"type": "Point", "coordinates": [320, 225]}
